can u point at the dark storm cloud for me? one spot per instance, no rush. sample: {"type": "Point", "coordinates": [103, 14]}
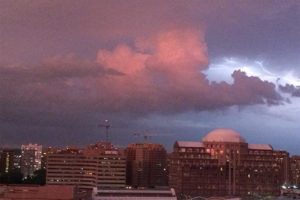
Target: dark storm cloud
{"type": "Point", "coordinates": [135, 58]}
{"type": "Point", "coordinates": [60, 67]}
{"type": "Point", "coordinates": [288, 88]}
{"type": "Point", "coordinates": [264, 30]}
{"type": "Point", "coordinates": [167, 80]}
{"type": "Point", "coordinates": [247, 90]}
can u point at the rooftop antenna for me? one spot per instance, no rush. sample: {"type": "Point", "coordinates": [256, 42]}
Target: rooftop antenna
{"type": "Point", "coordinates": [147, 135]}
{"type": "Point", "coordinates": [106, 125]}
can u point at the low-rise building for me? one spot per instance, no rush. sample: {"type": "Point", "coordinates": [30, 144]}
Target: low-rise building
{"type": "Point", "coordinates": [48, 192]}
{"type": "Point", "coordinates": [134, 194]}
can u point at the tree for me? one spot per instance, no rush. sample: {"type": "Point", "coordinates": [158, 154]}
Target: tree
{"type": "Point", "coordinates": [38, 178]}
{"type": "Point", "coordinates": [12, 177]}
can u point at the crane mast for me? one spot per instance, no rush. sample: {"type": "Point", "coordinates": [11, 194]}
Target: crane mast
{"type": "Point", "coordinates": [106, 125]}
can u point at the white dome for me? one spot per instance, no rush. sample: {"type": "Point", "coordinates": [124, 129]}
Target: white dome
{"type": "Point", "coordinates": [223, 135]}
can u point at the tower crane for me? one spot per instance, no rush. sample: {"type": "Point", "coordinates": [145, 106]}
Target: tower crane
{"type": "Point", "coordinates": [106, 125]}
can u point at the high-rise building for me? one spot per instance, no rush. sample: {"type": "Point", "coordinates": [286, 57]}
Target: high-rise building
{"type": "Point", "coordinates": [146, 165]}
{"type": "Point", "coordinates": [10, 159]}
{"type": "Point", "coordinates": [45, 153]}
{"type": "Point", "coordinates": [223, 163]}
{"type": "Point", "coordinates": [193, 172]}
{"type": "Point", "coordinates": [100, 165]}
{"type": "Point", "coordinates": [31, 156]}
{"type": "Point", "coordinates": [295, 170]}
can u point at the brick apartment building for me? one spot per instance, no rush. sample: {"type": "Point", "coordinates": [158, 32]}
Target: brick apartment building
{"type": "Point", "coordinates": [146, 165]}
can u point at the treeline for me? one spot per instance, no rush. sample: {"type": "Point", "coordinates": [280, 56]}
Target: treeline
{"type": "Point", "coordinates": [16, 177]}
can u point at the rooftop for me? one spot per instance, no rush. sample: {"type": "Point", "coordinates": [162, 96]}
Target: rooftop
{"type": "Point", "coordinates": [189, 144]}
{"type": "Point", "coordinates": [223, 135]}
{"type": "Point", "coordinates": [260, 146]}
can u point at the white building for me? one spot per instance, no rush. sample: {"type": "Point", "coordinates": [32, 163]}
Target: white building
{"type": "Point", "coordinates": [31, 158]}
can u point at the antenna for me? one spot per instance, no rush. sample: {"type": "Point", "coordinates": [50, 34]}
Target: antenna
{"type": "Point", "coordinates": [147, 135]}
{"type": "Point", "coordinates": [106, 125]}
{"type": "Point", "coordinates": [144, 135]}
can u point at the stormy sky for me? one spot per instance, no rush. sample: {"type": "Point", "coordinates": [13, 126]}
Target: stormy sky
{"type": "Point", "coordinates": [172, 69]}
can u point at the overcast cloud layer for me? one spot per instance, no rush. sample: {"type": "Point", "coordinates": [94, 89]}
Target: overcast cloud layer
{"type": "Point", "coordinates": [66, 66]}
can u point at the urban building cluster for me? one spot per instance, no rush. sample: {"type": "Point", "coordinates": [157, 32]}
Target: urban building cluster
{"type": "Point", "coordinates": [221, 164]}
{"type": "Point", "coordinates": [27, 160]}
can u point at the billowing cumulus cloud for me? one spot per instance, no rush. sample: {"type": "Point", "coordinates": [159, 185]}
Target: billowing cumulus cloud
{"type": "Point", "coordinates": [133, 61]}
{"type": "Point", "coordinates": [159, 74]}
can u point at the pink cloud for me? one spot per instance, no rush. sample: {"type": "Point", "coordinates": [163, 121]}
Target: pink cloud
{"type": "Point", "coordinates": [162, 73]}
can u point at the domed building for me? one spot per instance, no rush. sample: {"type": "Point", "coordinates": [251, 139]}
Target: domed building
{"type": "Point", "coordinates": [223, 163]}
{"type": "Point", "coordinates": [224, 144]}
{"type": "Point", "coordinates": [223, 135]}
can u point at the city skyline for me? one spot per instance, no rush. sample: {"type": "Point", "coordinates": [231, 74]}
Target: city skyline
{"type": "Point", "coordinates": [222, 163]}
{"type": "Point", "coordinates": [141, 138]}
{"type": "Point", "coordinates": [173, 69]}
